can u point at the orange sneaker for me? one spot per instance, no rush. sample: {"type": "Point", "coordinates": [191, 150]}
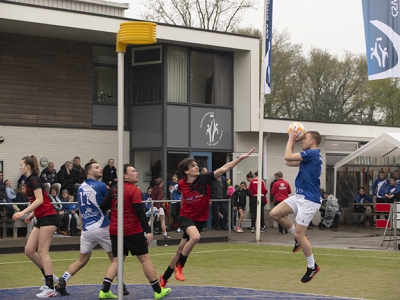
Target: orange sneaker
{"type": "Point", "coordinates": [162, 282]}
{"type": "Point", "coordinates": [179, 272]}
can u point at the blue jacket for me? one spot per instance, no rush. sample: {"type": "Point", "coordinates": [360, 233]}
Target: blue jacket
{"type": "Point", "coordinates": [379, 186]}
{"type": "Point", "coordinates": [362, 199]}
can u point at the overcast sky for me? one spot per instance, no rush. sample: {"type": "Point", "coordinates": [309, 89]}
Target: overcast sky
{"type": "Point", "coordinates": [334, 25]}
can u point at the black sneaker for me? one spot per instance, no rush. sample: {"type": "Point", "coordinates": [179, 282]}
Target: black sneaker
{"type": "Point", "coordinates": [126, 292]}
{"type": "Point", "coordinates": [61, 287]}
{"type": "Point", "coordinates": [311, 272]}
{"type": "Point", "coordinates": [297, 246]}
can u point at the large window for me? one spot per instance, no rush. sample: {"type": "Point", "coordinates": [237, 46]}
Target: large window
{"type": "Point", "coordinates": [210, 78]}
{"type": "Point", "coordinates": [104, 75]}
{"type": "Point", "coordinates": [177, 74]}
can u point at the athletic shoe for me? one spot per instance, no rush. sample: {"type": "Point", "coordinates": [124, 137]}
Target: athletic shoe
{"type": "Point", "coordinates": [311, 272]}
{"type": "Point", "coordinates": [108, 295]}
{"type": "Point", "coordinates": [240, 230]}
{"type": "Point", "coordinates": [262, 229]}
{"type": "Point", "coordinates": [179, 272]}
{"type": "Point", "coordinates": [47, 293]}
{"type": "Point", "coordinates": [166, 237]}
{"type": "Point", "coordinates": [297, 246]}
{"type": "Point", "coordinates": [164, 292]}
{"type": "Point", "coordinates": [162, 282]}
{"type": "Point", "coordinates": [61, 287]}
{"type": "Point", "coordinates": [126, 292]}
{"type": "Point", "coordinates": [253, 229]}
{"type": "Point", "coordinates": [55, 279]}
{"type": "Point", "coordinates": [180, 230]}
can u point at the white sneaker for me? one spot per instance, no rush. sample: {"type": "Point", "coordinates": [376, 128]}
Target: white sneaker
{"type": "Point", "coordinates": [55, 279]}
{"type": "Point", "coordinates": [179, 230]}
{"type": "Point", "coordinates": [47, 293]}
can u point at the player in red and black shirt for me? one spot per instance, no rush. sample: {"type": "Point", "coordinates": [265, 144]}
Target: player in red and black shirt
{"type": "Point", "coordinates": [195, 191]}
{"type": "Point", "coordinates": [135, 241]}
{"type": "Point", "coordinates": [47, 221]}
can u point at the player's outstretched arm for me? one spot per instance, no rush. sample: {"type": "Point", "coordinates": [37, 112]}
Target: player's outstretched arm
{"type": "Point", "coordinates": [230, 165]}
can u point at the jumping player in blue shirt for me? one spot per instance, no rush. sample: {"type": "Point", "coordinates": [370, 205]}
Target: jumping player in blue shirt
{"type": "Point", "coordinates": [307, 200]}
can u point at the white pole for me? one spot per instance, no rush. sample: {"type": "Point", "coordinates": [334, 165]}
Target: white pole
{"type": "Point", "coordinates": [260, 129]}
{"type": "Point", "coordinates": [120, 172]}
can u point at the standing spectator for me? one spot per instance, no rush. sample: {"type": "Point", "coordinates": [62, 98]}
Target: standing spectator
{"type": "Point", "coordinates": [307, 200]}
{"type": "Point", "coordinates": [38, 243]}
{"type": "Point", "coordinates": [95, 223]}
{"type": "Point", "coordinates": [220, 191]}
{"type": "Point", "coordinates": [176, 201]}
{"type": "Point", "coordinates": [110, 174]}
{"type": "Point", "coordinates": [78, 173]}
{"type": "Point", "coordinates": [379, 186]}
{"type": "Point", "coordinates": [280, 191]}
{"type": "Point", "coordinates": [390, 191]}
{"type": "Point", "coordinates": [157, 194]}
{"type": "Point", "coordinates": [65, 177]}
{"type": "Point", "coordinates": [239, 203]}
{"type": "Point", "coordinates": [135, 241]}
{"type": "Point", "coordinates": [49, 177]}
{"type": "Point", "coordinates": [208, 224]}
{"type": "Point", "coordinates": [196, 194]}
{"type": "Point", "coordinates": [253, 188]}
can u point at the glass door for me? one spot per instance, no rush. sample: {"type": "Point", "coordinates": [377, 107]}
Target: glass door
{"type": "Point", "coordinates": [203, 159]}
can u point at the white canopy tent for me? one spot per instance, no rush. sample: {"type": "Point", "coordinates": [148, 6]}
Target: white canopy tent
{"type": "Point", "coordinates": [381, 151]}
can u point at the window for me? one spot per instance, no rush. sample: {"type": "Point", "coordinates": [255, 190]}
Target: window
{"type": "Point", "coordinates": [341, 147]}
{"type": "Point", "coordinates": [210, 78]}
{"type": "Point", "coordinates": [177, 74]}
{"type": "Point", "coordinates": [105, 78]}
{"type": "Point", "coordinates": [147, 83]}
{"type": "Point", "coordinates": [147, 74]}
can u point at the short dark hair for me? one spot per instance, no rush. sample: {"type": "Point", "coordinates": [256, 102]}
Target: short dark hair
{"type": "Point", "coordinates": [126, 166]}
{"type": "Point", "coordinates": [315, 136]}
{"type": "Point", "coordinates": [88, 166]}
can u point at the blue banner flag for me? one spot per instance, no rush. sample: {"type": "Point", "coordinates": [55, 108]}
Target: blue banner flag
{"type": "Point", "coordinates": [382, 40]}
{"type": "Point", "coordinates": [268, 46]}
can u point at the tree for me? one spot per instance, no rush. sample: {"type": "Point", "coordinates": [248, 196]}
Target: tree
{"type": "Point", "coordinates": [217, 15]}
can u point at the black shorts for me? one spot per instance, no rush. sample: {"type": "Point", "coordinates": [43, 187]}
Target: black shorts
{"type": "Point", "coordinates": [135, 244]}
{"type": "Point", "coordinates": [184, 223]}
{"type": "Point", "coordinates": [51, 220]}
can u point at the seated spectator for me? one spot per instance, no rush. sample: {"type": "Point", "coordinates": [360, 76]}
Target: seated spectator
{"type": "Point", "coordinates": [78, 173]}
{"type": "Point", "coordinates": [391, 190]}
{"type": "Point", "coordinates": [21, 197]}
{"type": "Point", "coordinates": [3, 193]}
{"type": "Point", "coordinates": [71, 210]}
{"type": "Point", "coordinates": [361, 197]}
{"type": "Point", "coordinates": [10, 197]}
{"type": "Point", "coordinates": [49, 177]}
{"type": "Point", "coordinates": [157, 194]}
{"type": "Point", "coordinates": [64, 177]}
{"type": "Point", "coordinates": [68, 226]}
{"type": "Point", "coordinates": [110, 174]}
{"type": "Point", "coordinates": [57, 204]}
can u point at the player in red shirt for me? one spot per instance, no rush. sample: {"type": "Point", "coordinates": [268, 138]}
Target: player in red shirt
{"type": "Point", "coordinates": [47, 220]}
{"type": "Point", "coordinates": [135, 241]}
{"type": "Point", "coordinates": [195, 189]}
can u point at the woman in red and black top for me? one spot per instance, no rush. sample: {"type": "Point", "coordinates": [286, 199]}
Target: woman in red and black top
{"type": "Point", "coordinates": [47, 221]}
{"type": "Point", "coordinates": [195, 189]}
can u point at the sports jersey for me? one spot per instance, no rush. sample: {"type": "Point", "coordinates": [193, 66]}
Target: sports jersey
{"type": "Point", "coordinates": [196, 197]}
{"type": "Point", "coordinates": [90, 194]}
{"type": "Point", "coordinates": [280, 190]}
{"type": "Point", "coordinates": [308, 180]}
{"type": "Point", "coordinates": [132, 195]}
{"type": "Point", "coordinates": [33, 183]}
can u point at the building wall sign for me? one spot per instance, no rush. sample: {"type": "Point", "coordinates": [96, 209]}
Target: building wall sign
{"type": "Point", "coordinates": [211, 128]}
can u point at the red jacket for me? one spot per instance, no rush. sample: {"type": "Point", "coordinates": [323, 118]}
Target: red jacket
{"type": "Point", "coordinates": [253, 186]}
{"type": "Point", "coordinates": [281, 190]}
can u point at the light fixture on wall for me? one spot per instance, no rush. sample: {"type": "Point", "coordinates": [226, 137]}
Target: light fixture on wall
{"type": "Point", "coordinates": [44, 162]}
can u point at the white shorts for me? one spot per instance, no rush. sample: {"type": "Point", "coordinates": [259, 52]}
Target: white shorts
{"type": "Point", "coordinates": [94, 237]}
{"type": "Point", "coordinates": [305, 209]}
{"type": "Point", "coordinates": [156, 211]}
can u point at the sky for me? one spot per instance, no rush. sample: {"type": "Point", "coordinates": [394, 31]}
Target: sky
{"type": "Point", "coordinates": [332, 25]}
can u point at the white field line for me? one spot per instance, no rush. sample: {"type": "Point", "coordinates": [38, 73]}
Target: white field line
{"type": "Point", "coordinates": [214, 251]}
